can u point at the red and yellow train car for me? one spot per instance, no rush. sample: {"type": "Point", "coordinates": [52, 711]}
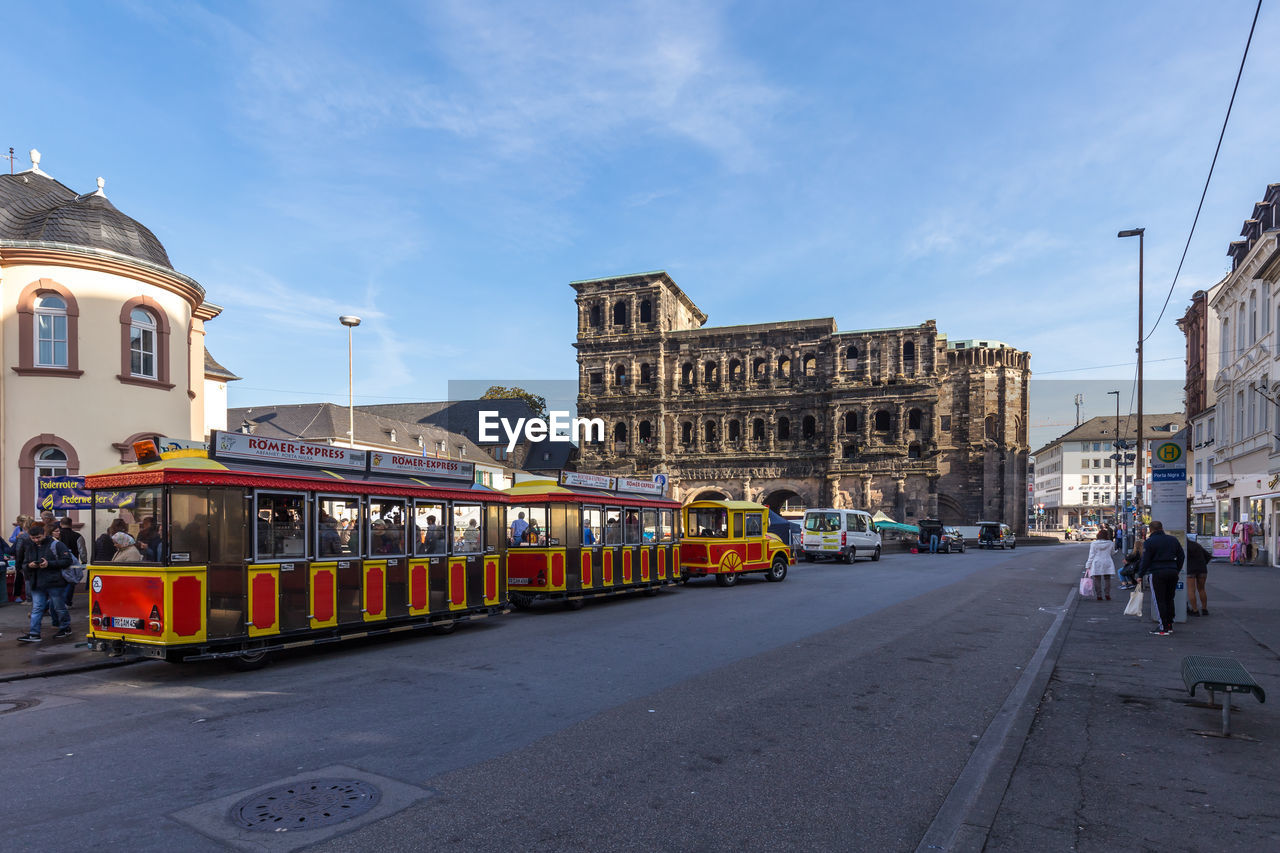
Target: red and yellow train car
{"type": "Point", "coordinates": [589, 536]}
{"type": "Point", "coordinates": [731, 538]}
{"type": "Point", "coordinates": [257, 544]}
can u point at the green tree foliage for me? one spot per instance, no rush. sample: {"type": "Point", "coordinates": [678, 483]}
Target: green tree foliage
{"type": "Point", "coordinates": [502, 392]}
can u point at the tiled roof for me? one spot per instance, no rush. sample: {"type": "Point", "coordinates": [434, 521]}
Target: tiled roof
{"type": "Point", "coordinates": [1103, 428]}
{"type": "Point", "coordinates": [37, 208]}
{"type": "Point", "coordinates": [458, 416]}
{"type": "Point", "coordinates": [214, 370]}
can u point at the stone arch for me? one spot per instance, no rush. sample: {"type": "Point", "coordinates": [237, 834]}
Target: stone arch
{"type": "Point", "coordinates": [950, 510]}
{"type": "Point", "coordinates": [27, 467]}
{"type": "Point", "coordinates": [780, 497]}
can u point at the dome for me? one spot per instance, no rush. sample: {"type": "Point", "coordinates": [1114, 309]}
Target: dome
{"type": "Point", "coordinates": [37, 208]}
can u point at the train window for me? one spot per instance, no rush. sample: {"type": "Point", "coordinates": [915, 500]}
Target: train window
{"type": "Point", "coordinates": [281, 526]}
{"type": "Point", "coordinates": [387, 528]}
{"type": "Point", "coordinates": [736, 530]}
{"type": "Point", "coordinates": [649, 525]}
{"type": "Point", "coordinates": [755, 527]}
{"type": "Point", "coordinates": [429, 537]}
{"type": "Point", "coordinates": [710, 522]}
{"type": "Point", "coordinates": [140, 513]}
{"type": "Point", "coordinates": [466, 529]}
{"type": "Point", "coordinates": [338, 528]}
{"type": "Point", "coordinates": [666, 525]}
{"type": "Point", "coordinates": [591, 529]}
{"type": "Point", "coordinates": [612, 526]}
{"type": "Point", "coordinates": [631, 527]}
{"type": "Point", "coordinates": [189, 525]}
{"type": "Point", "coordinates": [527, 526]}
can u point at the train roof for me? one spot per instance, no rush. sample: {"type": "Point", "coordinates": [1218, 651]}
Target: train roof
{"type": "Point", "coordinates": [553, 491]}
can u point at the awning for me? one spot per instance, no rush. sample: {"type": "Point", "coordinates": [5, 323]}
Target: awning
{"type": "Point", "coordinates": [893, 525]}
{"type": "Point", "coordinates": [880, 516]}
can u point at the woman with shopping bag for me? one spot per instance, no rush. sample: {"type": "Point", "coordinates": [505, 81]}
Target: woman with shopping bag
{"type": "Point", "coordinates": [1100, 566]}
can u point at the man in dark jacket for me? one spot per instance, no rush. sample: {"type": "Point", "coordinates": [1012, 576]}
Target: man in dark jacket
{"type": "Point", "coordinates": [1197, 570]}
{"type": "Point", "coordinates": [42, 561]}
{"type": "Point", "coordinates": [1162, 559]}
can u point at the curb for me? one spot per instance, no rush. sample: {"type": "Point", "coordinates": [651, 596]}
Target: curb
{"type": "Point", "coordinates": [964, 820]}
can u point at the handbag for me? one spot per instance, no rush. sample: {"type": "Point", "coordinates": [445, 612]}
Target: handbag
{"type": "Point", "coordinates": [1086, 586]}
{"type": "Point", "coordinates": [1134, 608]}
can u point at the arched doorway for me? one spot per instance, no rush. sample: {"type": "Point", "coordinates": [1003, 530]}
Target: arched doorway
{"type": "Point", "coordinates": [710, 495]}
{"type": "Point", "coordinates": [784, 501]}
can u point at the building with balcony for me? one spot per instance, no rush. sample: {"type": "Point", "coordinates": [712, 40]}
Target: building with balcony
{"type": "Point", "coordinates": [797, 413]}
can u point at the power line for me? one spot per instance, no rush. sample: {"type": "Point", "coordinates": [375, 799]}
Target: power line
{"type": "Point", "coordinates": [1234, 89]}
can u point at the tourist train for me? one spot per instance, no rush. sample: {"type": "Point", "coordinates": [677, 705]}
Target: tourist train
{"type": "Point", "coordinates": [250, 545]}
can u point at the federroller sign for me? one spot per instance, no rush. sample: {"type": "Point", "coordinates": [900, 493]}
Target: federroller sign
{"type": "Point", "coordinates": [55, 493]}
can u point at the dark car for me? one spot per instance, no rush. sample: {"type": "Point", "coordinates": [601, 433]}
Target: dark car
{"type": "Point", "coordinates": [785, 529]}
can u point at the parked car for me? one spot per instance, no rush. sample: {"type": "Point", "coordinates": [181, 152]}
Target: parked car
{"type": "Point", "coordinates": [952, 540]}
{"type": "Point", "coordinates": [1087, 533]}
{"type": "Point", "coordinates": [995, 534]}
{"type": "Point", "coordinates": [842, 534]}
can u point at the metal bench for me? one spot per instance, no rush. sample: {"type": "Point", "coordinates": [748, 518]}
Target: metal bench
{"type": "Point", "coordinates": [1220, 675]}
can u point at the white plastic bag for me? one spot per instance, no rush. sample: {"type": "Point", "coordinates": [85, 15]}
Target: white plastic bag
{"type": "Point", "coordinates": [1134, 608]}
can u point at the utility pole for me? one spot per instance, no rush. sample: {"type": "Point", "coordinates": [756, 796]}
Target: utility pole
{"type": "Point", "coordinates": [1079, 402]}
{"type": "Point", "coordinates": [1140, 461]}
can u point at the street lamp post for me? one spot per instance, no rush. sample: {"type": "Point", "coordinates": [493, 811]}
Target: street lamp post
{"type": "Point", "coordinates": [1138, 464]}
{"type": "Point", "coordinates": [1115, 445]}
{"type": "Point", "coordinates": [350, 321]}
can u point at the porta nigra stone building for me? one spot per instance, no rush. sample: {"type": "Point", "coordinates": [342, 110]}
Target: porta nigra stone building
{"type": "Point", "coordinates": [796, 413]}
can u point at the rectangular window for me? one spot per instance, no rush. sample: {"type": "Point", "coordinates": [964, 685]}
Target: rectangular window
{"type": "Point", "coordinates": [631, 527]}
{"type": "Point", "coordinates": [1106, 463]}
{"type": "Point", "coordinates": [591, 530]}
{"type": "Point", "coordinates": [281, 528]}
{"type": "Point", "coordinates": [189, 527]}
{"type": "Point", "coordinates": [944, 423]}
{"type": "Point", "coordinates": [1208, 470]}
{"type": "Point", "coordinates": [467, 531]}
{"type": "Point", "coordinates": [708, 522]}
{"type": "Point", "coordinates": [142, 352]}
{"type": "Point", "coordinates": [387, 528]}
{"type": "Point", "coordinates": [612, 526]}
{"type": "Point", "coordinates": [527, 526]}
{"type": "Point", "coordinates": [1199, 487]}
{"type": "Point", "coordinates": [1209, 430]}
{"type": "Point", "coordinates": [1084, 463]}
{"type": "Point", "coordinates": [1097, 463]}
{"type": "Point", "coordinates": [649, 525]}
{"type": "Point", "coordinates": [667, 525]}
{"type": "Point", "coordinates": [338, 527]}
{"type": "Point", "coordinates": [143, 519]}
{"type": "Point", "coordinates": [51, 340]}
{"type": "Point", "coordinates": [1106, 479]}
{"type": "Point", "coordinates": [755, 524]}
{"type": "Point", "coordinates": [429, 529]}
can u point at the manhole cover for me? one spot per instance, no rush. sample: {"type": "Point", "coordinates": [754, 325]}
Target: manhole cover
{"type": "Point", "coordinates": [9, 705]}
{"type": "Point", "coordinates": [309, 804]}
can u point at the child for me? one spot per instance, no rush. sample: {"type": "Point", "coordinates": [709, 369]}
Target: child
{"type": "Point", "coordinates": [1130, 571]}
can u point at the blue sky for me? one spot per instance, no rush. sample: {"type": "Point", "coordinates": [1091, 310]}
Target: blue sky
{"type": "Point", "coordinates": [445, 169]}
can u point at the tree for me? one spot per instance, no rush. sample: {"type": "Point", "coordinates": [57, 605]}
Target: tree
{"type": "Point", "coordinates": [533, 401]}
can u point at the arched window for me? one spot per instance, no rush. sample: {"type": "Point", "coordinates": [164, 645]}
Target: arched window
{"type": "Point", "coordinates": [851, 358]}
{"type": "Point", "coordinates": [51, 331]}
{"type": "Point", "coordinates": [851, 422]}
{"type": "Point", "coordinates": [914, 419]}
{"type": "Point", "coordinates": [646, 311]}
{"type": "Point", "coordinates": [620, 433]}
{"type": "Point", "coordinates": [735, 431]}
{"type": "Point", "coordinates": [710, 431]}
{"type": "Point", "coordinates": [48, 338]}
{"type": "Point", "coordinates": [620, 375]}
{"type": "Point", "coordinates": [784, 429]}
{"type": "Point", "coordinates": [909, 358]}
{"type": "Point", "coordinates": [711, 372]}
{"type": "Point", "coordinates": [646, 374]}
{"type": "Point", "coordinates": [882, 421]}
{"type": "Point", "coordinates": [620, 313]}
{"type": "Point", "coordinates": [989, 427]}
{"type": "Point", "coordinates": [595, 317]}
{"type": "Point", "coordinates": [645, 432]}
{"type": "Point", "coordinates": [808, 426]}
{"type": "Point", "coordinates": [809, 365]}
{"type": "Point", "coordinates": [686, 373]}
{"type": "Point", "coordinates": [1253, 317]}
{"type": "Point", "coordinates": [784, 367]}
{"type": "Point", "coordinates": [735, 370]}
{"type": "Point", "coordinates": [686, 432]}
{"type": "Point", "coordinates": [142, 344]}
{"type": "Point", "coordinates": [45, 455]}
{"type": "Point", "coordinates": [913, 450]}
{"type": "Point", "coordinates": [757, 429]}
{"type": "Point", "coordinates": [759, 368]}
{"type": "Point", "coordinates": [144, 356]}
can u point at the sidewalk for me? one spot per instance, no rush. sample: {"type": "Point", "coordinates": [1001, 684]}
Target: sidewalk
{"type": "Point", "coordinates": [1116, 758]}
{"type": "Point", "coordinates": [49, 656]}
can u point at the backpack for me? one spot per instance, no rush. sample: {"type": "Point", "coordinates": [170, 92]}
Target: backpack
{"type": "Point", "coordinates": [74, 573]}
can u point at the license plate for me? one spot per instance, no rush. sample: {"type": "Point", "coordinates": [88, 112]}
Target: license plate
{"type": "Point", "coordinates": [519, 582]}
{"type": "Point", "coordinates": [126, 622]}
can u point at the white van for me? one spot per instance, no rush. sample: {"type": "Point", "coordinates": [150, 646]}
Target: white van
{"type": "Point", "coordinates": [840, 534]}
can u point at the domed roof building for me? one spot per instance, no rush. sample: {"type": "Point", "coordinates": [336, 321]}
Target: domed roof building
{"type": "Point", "coordinates": [103, 339]}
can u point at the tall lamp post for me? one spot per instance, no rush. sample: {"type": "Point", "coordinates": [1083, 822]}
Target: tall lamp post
{"type": "Point", "coordinates": [350, 321]}
{"type": "Point", "coordinates": [1139, 482]}
{"type": "Point", "coordinates": [1115, 445]}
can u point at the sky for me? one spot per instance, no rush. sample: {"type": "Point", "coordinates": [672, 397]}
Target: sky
{"type": "Point", "coordinates": [444, 170]}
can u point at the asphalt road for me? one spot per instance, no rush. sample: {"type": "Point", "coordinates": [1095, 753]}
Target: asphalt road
{"type": "Point", "coordinates": [833, 711]}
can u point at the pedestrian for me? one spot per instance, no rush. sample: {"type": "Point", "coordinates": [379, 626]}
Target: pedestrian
{"type": "Point", "coordinates": [43, 559]}
{"type": "Point", "coordinates": [1162, 558]}
{"type": "Point", "coordinates": [1100, 565]}
{"type": "Point", "coordinates": [1129, 573]}
{"type": "Point", "coordinates": [1120, 537]}
{"type": "Point", "coordinates": [1197, 572]}
{"type": "Point", "coordinates": [16, 543]}
{"type": "Point", "coordinates": [68, 536]}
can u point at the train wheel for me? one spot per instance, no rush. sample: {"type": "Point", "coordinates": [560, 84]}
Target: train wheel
{"type": "Point", "coordinates": [727, 578]}
{"type": "Point", "coordinates": [778, 571]}
{"type": "Point", "coordinates": [249, 661]}
{"type": "Point", "coordinates": [653, 590]}
{"type": "Point", "coordinates": [520, 601]}
{"type": "Point", "coordinates": [875, 558]}
{"type": "Point", "coordinates": [573, 603]}
{"type": "Point", "coordinates": [444, 629]}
